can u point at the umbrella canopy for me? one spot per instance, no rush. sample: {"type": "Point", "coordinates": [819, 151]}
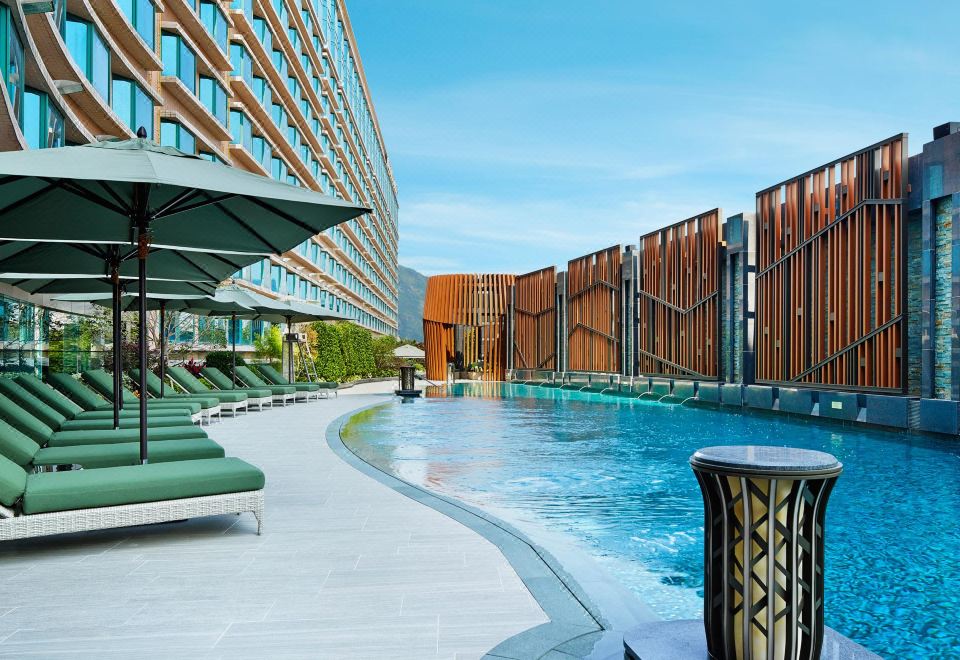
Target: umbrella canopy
{"type": "Point", "coordinates": [98, 287]}
{"type": "Point", "coordinates": [89, 193]}
{"type": "Point", "coordinates": [409, 352]}
{"type": "Point", "coordinates": [59, 259]}
{"type": "Point", "coordinates": [135, 192]}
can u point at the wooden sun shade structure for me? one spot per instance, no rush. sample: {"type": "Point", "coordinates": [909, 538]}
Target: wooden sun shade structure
{"type": "Point", "coordinates": [593, 311]}
{"type": "Point", "coordinates": [679, 298]}
{"type": "Point", "coordinates": [535, 320]}
{"type": "Point", "coordinates": [466, 314]}
{"type": "Point", "coordinates": [831, 273]}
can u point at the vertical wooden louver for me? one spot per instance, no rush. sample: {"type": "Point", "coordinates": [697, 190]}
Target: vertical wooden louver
{"type": "Point", "coordinates": [473, 307]}
{"type": "Point", "coordinates": [831, 273]}
{"type": "Point", "coordinates": [535, 320]}
{"type": "Point", "coordinates": [678, 298]}
{"type": "Point", "coordinates": [593, 312]}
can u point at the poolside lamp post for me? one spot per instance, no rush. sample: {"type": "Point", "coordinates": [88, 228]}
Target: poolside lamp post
{"type": "Point", "coordinates": [764, 510]}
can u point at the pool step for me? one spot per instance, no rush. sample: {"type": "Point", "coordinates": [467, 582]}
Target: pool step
{"type": "Point", "coordinates": [913, 413]}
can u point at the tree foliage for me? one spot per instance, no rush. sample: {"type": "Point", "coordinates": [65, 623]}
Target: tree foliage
{"type": "Point", "coordinates": [269, 345]}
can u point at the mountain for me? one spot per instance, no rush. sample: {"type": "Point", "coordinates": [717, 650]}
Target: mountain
{"type": "Point", "coordinates": [413, 288]}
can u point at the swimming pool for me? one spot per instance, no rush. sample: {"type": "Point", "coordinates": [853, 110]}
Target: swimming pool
{"type": "Point", "coordinates": [611, 474]}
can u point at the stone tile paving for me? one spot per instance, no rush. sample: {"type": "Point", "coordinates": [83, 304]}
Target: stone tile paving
{"type": "Point", "coordinates": [346, 568]}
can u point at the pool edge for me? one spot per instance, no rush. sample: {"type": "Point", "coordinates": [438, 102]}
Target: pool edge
{"type": "Point", "coordinates": [574, 619]}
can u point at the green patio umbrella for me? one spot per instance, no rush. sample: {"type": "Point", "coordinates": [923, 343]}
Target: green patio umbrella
{"type": "Point", "coordinates": [136, 192]}
{"type": "Point", "coordinates": [275, 311]}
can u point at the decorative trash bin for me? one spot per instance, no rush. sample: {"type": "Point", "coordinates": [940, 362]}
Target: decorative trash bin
{"type": "Point", "coordinates": [764, 510]}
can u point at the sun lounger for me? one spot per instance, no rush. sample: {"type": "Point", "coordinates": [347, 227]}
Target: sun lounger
{"type": "Point", "coordinates": [235, 402]}
{"type": "Point", "coordinates": [220, 380]}
{"type": "Point", "coordinates": [322, 388]}
{"type": "Point", "coordinates": [92, 401]}
{"type": "Point", "coordinates": [280, 393]}
{"type": "Point", "coordinates": [53, 411]}
{"type": "Point", "coordinates": [194, 385]}
{"type": "Point", "coordinates": [82, 500]}
{"type": "Point", "coordinates": [26, 453]}
{"type": "Point", "coordinates": [101, 381]}
{"type": "Point", "coordinates": [51, 436]}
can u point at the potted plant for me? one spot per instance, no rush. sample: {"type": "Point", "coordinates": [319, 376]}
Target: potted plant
{"type": "Point", "coordinates": [473, 372]}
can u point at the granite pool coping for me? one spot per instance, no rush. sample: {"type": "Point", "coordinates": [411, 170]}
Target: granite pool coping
{"type": "Point", "coordinates": [581, 624]}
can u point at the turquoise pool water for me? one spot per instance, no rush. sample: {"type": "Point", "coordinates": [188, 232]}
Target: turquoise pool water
{"type": "Point", "coordinates": [611, 475]}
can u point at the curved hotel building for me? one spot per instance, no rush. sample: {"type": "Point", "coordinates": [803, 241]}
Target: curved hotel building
{"type": "Point", "coordinates": [275, 87]}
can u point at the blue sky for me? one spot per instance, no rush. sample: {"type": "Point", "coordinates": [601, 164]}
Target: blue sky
{"type": "Point", "coordinates": [524, 133]}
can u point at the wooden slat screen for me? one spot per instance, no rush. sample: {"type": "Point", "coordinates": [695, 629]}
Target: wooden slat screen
{"type": "Point", "coordinates": [535, 320]}
{"type": "Point", "coordinates": [593, 311]}
{"type": "Point", "coordinates": [679, 301]}
{"type": "Point", "coordinates": [831, 266]}
{"type": "Point", "coordinates": [478, 305]}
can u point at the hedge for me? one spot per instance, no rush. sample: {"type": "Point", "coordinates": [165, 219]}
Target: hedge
{"type": "Point", "coordinates": [344, 351]}
{"type": "Point", "coordinates": [329, 356]}
{"type": "Point", "coordinates": [223, 360]}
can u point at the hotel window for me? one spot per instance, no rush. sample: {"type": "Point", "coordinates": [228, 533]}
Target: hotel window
{"type": "Point", "coordinates": [262, 151]}
{"type": "Point", "coordinates": [291, 284]}
{"type": "Point", "coordinates": [314, 252]}
{"type": "Point", "coordinates": [279, 63]}
{"type": "Point", "coordinates": [281, 10]}
{"type": "Point", "coordinates": [314, 292]}
{"type": "Point", "coordinates": [42, 122]}
{"type": "Point", "coordinates": [143, 17]}
{"type": "Point", "coordinates": [214, 98]}
{"type": "Point", "coordinates": [11, 48]}
{"type": "Point", "coordinates": [173, 134]}
{"type": "Point", "coordinates": [278, 114]}
{"type": "Point", "coordinates": [263, 33]}
{"type": "Point", "coordinates": [276, 278]}
{"type": "Point", "coordinates": [245, 6]}
{"type": "Point", "coordinates": [215, 22]}
{"type": "Point", "coordinates": [90, 53]}
{"type": "Point", "coordinates": [278, 169]}
{"type": "Point", "coordinates": [256, 273]}
{"type": "Point", "coordinates": [132, 105]}
{"type": "Point", "coordinates": [292, 180]}
{"type": "Point", "coordinates": [242, 64]}
{"type": "Point", "coordinates": [241, 130]}
{"type": "Point", "coordinates": [212, 157]}
{"type": "Point", "coordinates": [304, 289]}
{"type": "Point", "coordinates": [261, 89]}
{"type": "Point", "coordinates": [179, 60]}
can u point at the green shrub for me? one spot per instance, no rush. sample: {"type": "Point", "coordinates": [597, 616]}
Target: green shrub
{"type": "Point", "coordinates": [269, 345]}
{"type": "Point", "coordinates": [223, 360]}
{"type": "Point", "coordinates": [328, 354]}
{"type": "Point", "coordinates": [385, 362]}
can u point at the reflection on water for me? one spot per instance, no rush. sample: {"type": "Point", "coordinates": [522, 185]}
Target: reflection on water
{"type": "Point", "coordinates": [612, 474]}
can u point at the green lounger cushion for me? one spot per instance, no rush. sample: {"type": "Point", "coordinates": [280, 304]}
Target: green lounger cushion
{"type": "Point", "coordinates": [94, 404]}
{"type": "Point", "coordinates": [128, 453]}
{"type": "Point", "coordinates": [253, 380]}
{"type": "Point", "coordinates": [171, 395]}
{"type": "Point", "coordinates": [30, 403]}
{"type": "Point", "coordinates": [220, 379]}
{"type": "Point", "coordinates": [112, 436]}
{"type": "Point", "coordinates": [273, 376]}
{"type": "Point", "coordinates": [16, 446]}
{"type": "Point", "coordinates": [56, 400]}
{"type": "Point", "coordinates": [133, 484]}
{"type": "Point", "coordinates": [153, 422]}
{"type": "Point", "coordinates": [192, 384]}
{"type": "Point", "coordinates": [13, 481]}
{"type": "Point", "coordinates": [328, 384]}
{"type": "Point", "coordinates": [103, 383]}
{"type": "Point", "coordinates": [24, 422]}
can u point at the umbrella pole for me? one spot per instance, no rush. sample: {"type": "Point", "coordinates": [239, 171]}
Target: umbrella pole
{"type": "Point", "coordinates": [143, 249]}
{"type": "Point", "coordinates": [117, 360]}
{"type": "Point", "coordinates": [163, 346]}
{"type": "Point", "coordinates": [233, 341]}
{"type": "Point", "coordinates": [290, 360]}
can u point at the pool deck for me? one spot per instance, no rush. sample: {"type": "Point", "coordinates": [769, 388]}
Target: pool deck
{"type": "Point", "coordinates": [347, 567]}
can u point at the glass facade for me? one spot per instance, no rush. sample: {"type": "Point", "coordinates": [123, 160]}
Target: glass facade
{"type": "Point", "coordinates": [132, 105]}
{"type": "Point", "coordinates": [215, 23]}
{"type": "Point", "coordinates": [179, 60]}
{"type": "Point", "coordinates": [42, 122]}
{"type": "Point", "coordinates": [174, 134]}
{"type": "Point", "coordinates": [90, 53]}
{"type": "Point", "coordinates": [142, 15]}
{"type": "Point", "coordinates": [214, 98]}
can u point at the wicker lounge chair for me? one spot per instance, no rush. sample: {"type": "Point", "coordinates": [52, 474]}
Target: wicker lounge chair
{"type": "Point", "coordinates": [283, 393]}
{"type": "Point", "coordinates": [97, 407]}
{"type": "Point", "coordinates": [232, 402]}
{"type": "Point", "coordinates": [102, 382]}
{"type": "Point", "coordinates": [322, 388]}
{"type": "Point", "coordinates": [26, 453]}
{"type": "Point", "coordinates": [83, 500]}
{"type": "Point", "coordinates": [194, 385]}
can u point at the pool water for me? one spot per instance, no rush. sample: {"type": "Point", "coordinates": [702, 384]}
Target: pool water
{"type": "Point", "coordinates": [611, 475]}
